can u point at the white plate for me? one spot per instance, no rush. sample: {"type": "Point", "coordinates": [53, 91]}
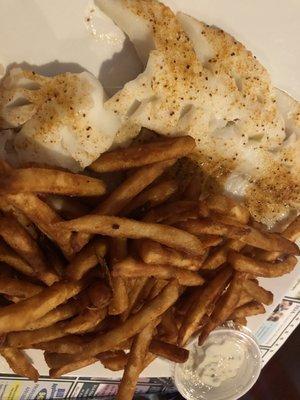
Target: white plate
{"type": "Point", "coordinates": [65, 35]}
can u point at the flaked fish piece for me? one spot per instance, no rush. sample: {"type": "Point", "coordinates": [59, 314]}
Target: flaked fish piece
{"type": "Point", "coordinates": [61, 119]}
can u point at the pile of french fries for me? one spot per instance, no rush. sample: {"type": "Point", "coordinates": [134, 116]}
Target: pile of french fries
{"type": "Point", "coordinates": [124, 276]}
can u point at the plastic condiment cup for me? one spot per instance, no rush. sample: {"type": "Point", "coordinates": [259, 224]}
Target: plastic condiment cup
{"type": "Point", "coordinates": [190, 385]}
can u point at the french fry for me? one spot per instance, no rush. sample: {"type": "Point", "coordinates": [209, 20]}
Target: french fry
{"type": "Point", "coordinates": [169, 351]}
{"type": "Point", "coordinates": [153, 196]}
{"type": "Point", "coordinates": [8, 256]}
{"type": "Point", "coordinates": [86, 259]}
{"type": "Point", "coordinates": [18, 288]}
{"type": "Point", "coordinates": [119, 302]}
{"type": "Point", "coordinates": [292, 232]}
{"type": "Point", "coordinates": [219, 256]}
{"type": "Point", "coordinates": [174, 219]}
{"type": "Point", "coordinates": [224, 306]}
{"type": "Point", "coordinates": [165, 211]}
{"type": "Point", "coordinates": [131, 268]}
{"type": "Point", "coordinates": [168, 326]}
{"type": "Point", "coordinates": [240, 321]}
{"type": "Point", "coordinates": [16, 317]}
{"type": "Point", "coordinates": [209, 227]}
{"type": "Point", "coordinates": [113, 360]}
{"type": "Point", "coordinates": [42, 180]}
{"type": "Point", "coordinates": [270, 242]}
{"type": "Point", "coordinates": [194, 187]}
{"type": "Point", "coordinates": [257, 292]}
{"type": "Point", "coordinates": [85, 322]}
{"type": "Point", "coordinates": [128, 228]}
{"type": "Point", "coordinates": [24, 245]}
{"type": "Point", "coordinates": [252, 308]}
{"type": "Point", "coordinates": [99, 294]}
{"type": "Point", "coordinates": [133, 296]}
{"type": "Point", "coordinates": [143, 295]}
{"type": "Point", "coordinates": [43, 217]}
{"type": "Point", "coordinates": [135, 362]}
{"type": "Point", "coordinates": [60, 313]}
{"type": "Point", "coordinates": [261, 268]}
{"type": "Point", "coordinates": [199, 307]}
{"type": "Point", "coordinates": [225, 205]}
{"type": "Point", "coordinates": [154, 253]}
{"type": "Point", "coordinates": [143, 154]}
{"type": "Point", "coordinates": [135, 323]}
{"type": "Point", "coordinates": [157, 288]}
{"type": "Point", "coordinates": [245, 298]}
{"type": "Point", "coordinates": [131, 187]}
{"type": "Point", "coordinates": [66, 345]}
{"type": "Point", "coordinates": [72, 366]}
{"type": "Point", "coordinates": [19, 363]}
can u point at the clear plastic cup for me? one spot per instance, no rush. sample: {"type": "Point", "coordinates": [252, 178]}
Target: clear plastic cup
{"type": "Point", "coordinates": [191, 387]}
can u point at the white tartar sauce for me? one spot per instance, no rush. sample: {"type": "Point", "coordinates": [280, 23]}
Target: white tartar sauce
{"type": "Point", "coordinates": [214, 363]}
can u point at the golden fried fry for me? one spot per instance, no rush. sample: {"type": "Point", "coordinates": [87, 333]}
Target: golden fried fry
{"type": "Point", "coordinates": [200, 304]}
{"type": "Point", "coordinates": [66, 207]}
{"type": "Point", "coordinates": [66, 345]}
{"type": "Point", "coordinates": [209, 227]}
{"type": "Point", "coordinates": [134, 295]}
{"type": "Point", "coordinates": [257, 292]}
{"type": "Point", "coordinates": [113, 360]}
{"type": "Point", "coordinates": [119, 302]}
{"type": "Point", "coordinates": [42, 180]}
{"type": "Point", "coordinates": [16, 317]}
{"type": "Point", "coordinates": [169, 351]}
{"type": "Point", "coordinates": [86, 259]}
{"type": "Point", "coordinates": [219, 256]}
{"type": "Point", "coordinates": [72, 366]}
{"type": "Point", "coordinates": [154, 253]}
{"type": "Point", "coordinates": [43, 217]}
{"type": "Point", "coordinates": [128, 228]}
{"type": "Point", "coordinates": [252, 308]}
{"type": "Point", "coordinates": [144, 154]}
{"type": "Point", "coordinates": [99, 294]}
{"type": "Point", "coordinates": [165, 211]}
{"type": "Point", "coordinates": [225, 205]}
{"type": "Point", "coordinates": [135, 362]}
{"type": "Point", "coordinates": [153, 196]}
{"type": "Point", "coordinates": [19, 363]}
{"type": "Point", "coordinates": [224, 306]}
{"type": "Point", "coordinates": [18, 288]}
{"type": "Point", "coordinates": [131, 268]}
{"type": "Point", "coordinates": [20, 240]}
{"type": "Point", "coordinates": [85, 322]}
{"type": "Point", "coordinates": [8, 256]}
{"type": "Point", "coordinates": [261, 268]}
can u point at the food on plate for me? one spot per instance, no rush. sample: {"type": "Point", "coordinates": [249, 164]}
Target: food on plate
{"type": "Point", "coordinates": [154, 281]}
{"type": "Point", "coordinates": [140, 252]}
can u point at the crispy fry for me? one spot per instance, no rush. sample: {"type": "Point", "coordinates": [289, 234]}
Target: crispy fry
{"type": "Point", "coordinates": [113, 360]}
{"type": "Point", "coordinates": [153, 196]}
{"type": "Point", "coordinates": [154, 253]}
{"type": "Point", "coordinates": [240, 321]}
{"type": "Point", "coordinates": [119, 303]}
{"type": "Point", "coordinates": [292, 232]}
{"type": "Point", "coordinates": [261, 268]}
{"type": "Point", "coordinates": [165, 211]}
{"type": "Point", "coordinates": [143, 295]}
{"type": "Point", "coordinates": [143, 154]}
{"type": "Point", "coordinates": [135, 362]}
{"type": "Point", "coordinates": [60, 313]}
{"type": "Point", "coordinates": [131, 268]}
{"type": "Point", "coordinates": [66, 345]}
{"type": "Point", "coordinates": [219, 256]}
{"type": "Point", "coordinates": [224, 306]}
{"type": "Point", "coordinates": [244, 298]}
{"type": "Point", "coordinates": [86, 259]}
{"type": "Point", "coordinates": [226, 205]}
{"type": "Point", "coordinates": [99, 294]}
{"type": "Point", "coordinates": [42, 180]}
{"type": "Point", "coordinates": [168, 326]}
{"type": "Point", "coordinates": [199, 307]}
{"type": "Point", "coordinates": [157, 288]}
{"type": "Point", "coordinates": [169, 351]}
{"type": "Point", "coordinates": [19, 239]}
{"type": "Point", "coordinates": [209, 227]}
{"type": "Point", "coordinates": [72, 366]}
{"type": "Point", "coordinates": [269, 241]}
{"type": "Point", "coordinates": [19, 288]}
{"type": "Point", "coordinates": [133, 296]}
{"type": "Point", "coordinates": [19, 363]}
{"type": "Point", "coordinates": [257, 292]}
{"type": "Point", "coordinates": [135, 323]}
{"type": "Point", "coordinates": [15, 317]}
{"type": "Point", "coordinates": [85, 322]}
{"type": "Point", "coordinates": [128, 228]}
{"type": "Point", "coordinates": [8, 256]}
{"type": "Point", "coordinates": [184, 216]}
{"type": "Point", "coordinates": [252, 308]}
{"type": "Point", "coordinates": [43, 217]}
